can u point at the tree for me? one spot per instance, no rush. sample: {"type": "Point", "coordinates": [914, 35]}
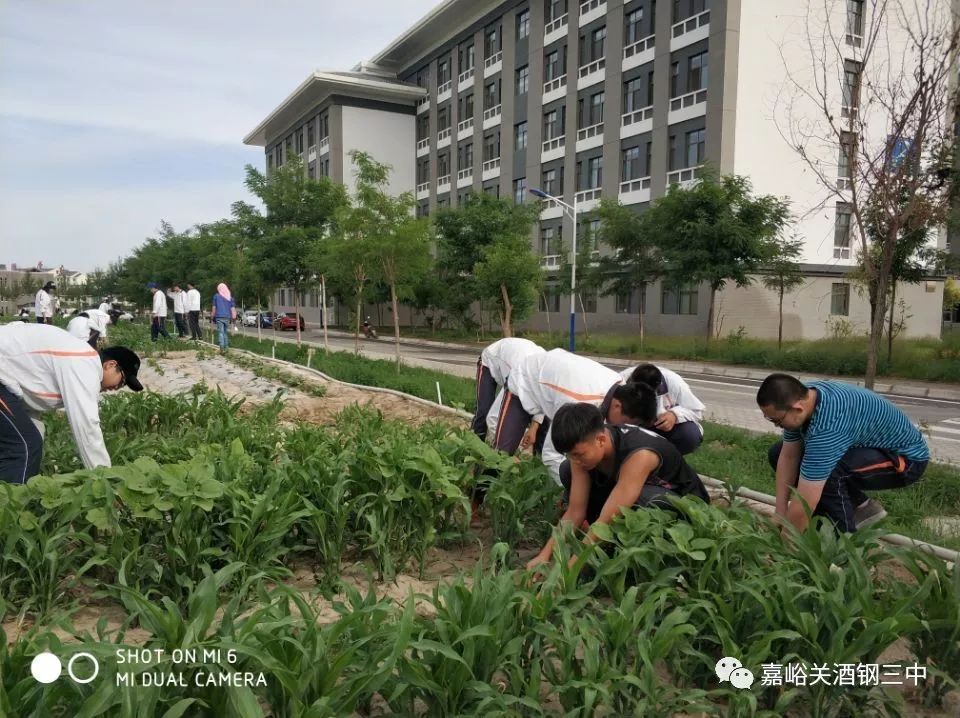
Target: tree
{"type": "Point", "coordinates": [782, 274]}
{"type": "Point", "coordinates": [509, 275]}
{"type": "Point", "coordinates": [299, 213]}
{"type": "Point", "coordinates": [716, 232]}
{"type": "Point", "coordinates": [889, 118]}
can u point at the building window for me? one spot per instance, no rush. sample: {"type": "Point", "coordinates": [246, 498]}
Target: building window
{"type": "Point", "coordinates": [697, 73]}
{"type": "Point", "coordinates": [312, 170]}
{"type": "Point", "coordinates": [311, 135]}
{"type": "Point", "coordinates": [520, 136]}
{"type": "Point", "coordinates": [680, 299]}
{"type": "Point", "coordinates": [423, 171]}
{"type": "Point", "coordinates": [553, 182]}
{"type": "Point", "coordinates": [269, 160]}
{"type": "Point", "coordinates": [443, 165]}
{"type": "Point", "coordinates": [491, 146]}
{"type": "Point", "coordinates": [550, 300]}
{"type": "Point", "coordinates": [648, 160]}
{"type": "Point", "coordinates": [552, 124]}
{"type": "Point", "coordinates": [633, 32]}
{"type": "Point", "coordinates": [841, 232]}
{"type": "Point", "coordinates": [443, 118]}
{"type": "Point", "coordinates": [555, 9]}
{"type": "Point", "coordinates": [696, 146]}
{"type": "Point", "coordinates": [855, 22]}
{"type": "Point", "coordinates": [299, 137]}
{"type": "Point", "coordinates": [596, 108]}
{"type": "Point", "coordinates": [627, 302]}
{"type": "Point", "coordinates": [423, 77]}
{"type": "Point", "coordinates": [588, 300]}
{"type": "Point", "coordinates": [632, 100]}
{"type": "Point", "coordinates": [674, 154]}
{"type": "Point", "coordinates": [682, 9]}
{"type": "Point", "coordinates": [845, 160]}
{"type": "Point", "coordinates": [554, 64]}
{"type": "Point", "coordinates": [519, 190]}
{"type": "Point", "coordinates": [423, 127]}
{"type": "Point", "coordinates": [465, 156]}
{"type": "Point", "coordinates": [523, 24]}
{"type": "Point", "coordinates": [840, 300]}
{"type": "Point", "coordinates": [549, 241]}
{"type": "Point", "coordinates": [324, 126]}
{"type": "Point", "coordinates": [523, 80]}
{"type": "Point", "coordinates": [443, 71]}
{"type": "Point", "coordinates": [466, 58]}
{"type": "Point", "coordinates": [594, 172]}
{"type": "Point", "coordinates": [591, 234]}
{"type": "Point", "coordinates": [674, 79]}
{"type": "Point", "coordinates": [851, 87]}
{"type": "Point", "coordinates": [592, 49]}
{"type": "Point", "coordinates": [631, 164]}
{"type": "Point", "coordinates": [279, 155]}
{"type": "Point", "coordinates": [491, 42]}
{"type": "Point", "coordinates": [650, 88]}
{"type": "Point", "coordinates": [466, 107]}
{"type": "Point", "coordinates": [491, 98]}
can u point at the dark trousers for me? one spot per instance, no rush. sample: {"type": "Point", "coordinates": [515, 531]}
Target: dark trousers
{"type": "Point", "coordinates": [861, 469]}
{"type": "Point", "coordinates": [44, 320]}
{"type": "Point", "coordinates": [194, 317]}
{"type": "Point", "coordinates": [158, 326]}
{"type": "Point", "coordinates": [651, 496]}
{"type": "Point", "coordinates": [512, 423]}
{"type": "Point", "coordinates": [486, 394]}
{"type": "Point", "coordinates": [685, 437]}
{"type": "Point", "coordinates": [21, 445]}
{"type": "Point", "coordinates": [180, 322]}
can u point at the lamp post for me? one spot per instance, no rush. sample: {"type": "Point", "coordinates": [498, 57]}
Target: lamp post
{"type": "Point", "coordinates": [571, 211]}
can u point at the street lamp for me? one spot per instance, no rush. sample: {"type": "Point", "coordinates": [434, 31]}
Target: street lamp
{"type": "Point", "coordinates": [571, 211]}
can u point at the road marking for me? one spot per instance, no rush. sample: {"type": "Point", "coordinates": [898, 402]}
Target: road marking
{"type": "Point", "coordinates": [943, 428]}
{"type": "Point", "coordinates": [951, 421]}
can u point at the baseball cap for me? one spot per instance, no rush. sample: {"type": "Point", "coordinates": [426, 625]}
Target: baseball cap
{"type": "Point", "coordinates": [151, 285]}
{"type": "Point", "coordinates": [128, 362]}
{"type": "Point", "coordinates": [48, 285]}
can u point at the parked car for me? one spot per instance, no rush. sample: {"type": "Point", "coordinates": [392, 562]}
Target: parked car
{"type": "Point", "coordinates": [250, 317]}
{"type": "Point", "coordinates": [289, 321]}
{"type": "Point", "coordinates": [267, 319]}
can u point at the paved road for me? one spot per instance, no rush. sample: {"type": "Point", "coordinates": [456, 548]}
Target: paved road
{"type": "Point", "coordinates": [729, 400]}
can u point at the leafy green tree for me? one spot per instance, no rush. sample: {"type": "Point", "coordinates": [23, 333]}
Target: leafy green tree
{"type": "Point", "coordinates": [509, 275]}
{"type": "Point", "coordinates": [716, 231]}
{"type": "Point", "coordinates": [782, 274]}
{"type": "Point", "coordinates": [299, 213]}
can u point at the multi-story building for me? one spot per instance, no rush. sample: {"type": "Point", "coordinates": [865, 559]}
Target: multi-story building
{"type": "Point", "coordinates": [601, 98]}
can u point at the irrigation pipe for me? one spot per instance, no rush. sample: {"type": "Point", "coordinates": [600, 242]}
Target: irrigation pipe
{"type": "Point", "coordinates": [749, 494]}
{"type": "Point", "coordinates": [895, 539]}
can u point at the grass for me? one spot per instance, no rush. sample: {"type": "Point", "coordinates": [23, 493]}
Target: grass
{"type": "Point", "coordinates": [916, 359]}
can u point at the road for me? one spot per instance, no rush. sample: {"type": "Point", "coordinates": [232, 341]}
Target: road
{"type": "Point", "coordinates": [730, 401]}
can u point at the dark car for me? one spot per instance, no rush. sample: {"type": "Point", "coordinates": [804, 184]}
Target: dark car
{"type": "Point", "coordinates": [289, 321]}
{"type": "Point", "coordinates": [267, 319]}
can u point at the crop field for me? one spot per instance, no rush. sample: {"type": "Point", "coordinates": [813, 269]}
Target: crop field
{"type": "Point", "coordinates": [283, 547]}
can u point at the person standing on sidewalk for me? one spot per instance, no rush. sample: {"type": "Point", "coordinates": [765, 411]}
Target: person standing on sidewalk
{"type": "Point", "coordinates": [493, 369]}
{"type": "Point", "coordinates": [193, 310]}
{"type": "Point", "coordinates": [158, 315]}
{"type": "Point", "coordinates": [44, 306]}
{"type": "Point", "coordinates": [179, 310]}
{"type": "Point", "coordinates": [224, 312]}
{"type": "Point", "coordinates": [839, 440]}
{"type": "Point", "coordinates": [679, 411]}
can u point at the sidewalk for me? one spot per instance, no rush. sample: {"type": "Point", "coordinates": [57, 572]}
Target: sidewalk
{"type": "Point", "coordinates": [886, 385]}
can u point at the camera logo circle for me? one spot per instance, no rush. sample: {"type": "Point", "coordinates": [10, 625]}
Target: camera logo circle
{"type": "Point", "coordinates": [89, 657]}
{"type": "Point", "coordinates": [46, 667]}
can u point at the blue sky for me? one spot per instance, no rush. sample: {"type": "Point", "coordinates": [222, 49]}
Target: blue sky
{"type": "Point", "coordinates": [115, 114]}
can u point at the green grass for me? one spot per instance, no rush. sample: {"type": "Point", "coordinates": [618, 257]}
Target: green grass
{"type": "Point", "coordinates": [916, 359]}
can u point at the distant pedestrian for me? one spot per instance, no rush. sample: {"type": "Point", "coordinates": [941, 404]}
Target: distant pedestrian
{"type": "Point", "coordinates": [44, 304]}
{"type": "Point", "coordinates": [90, 326]}
{"type": "Point", "coordinates": [158, 315]}
{"type": "Point", "coordinates": [193, 311]}
{"type": "Point", "coordinates": [179, 298]}
{"type": "Point", "coordinates": [839, 441]}
{"type": "Point", "coordinates": [105, 305]}
{"type": "Point", "coordinates": [224, 312]}
{"type": "Point", "coordinates": [679, 411]}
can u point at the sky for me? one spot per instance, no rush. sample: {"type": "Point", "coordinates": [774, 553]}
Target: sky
{"type": "Point", "coordinates": [117, 114]}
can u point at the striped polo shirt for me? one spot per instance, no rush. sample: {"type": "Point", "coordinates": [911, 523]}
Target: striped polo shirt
{"type": "Point", "coordinates": [847, 416]}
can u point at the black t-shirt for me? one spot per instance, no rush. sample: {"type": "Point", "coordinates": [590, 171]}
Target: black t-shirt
{"type": "Point", "coordinates": [673, 473]}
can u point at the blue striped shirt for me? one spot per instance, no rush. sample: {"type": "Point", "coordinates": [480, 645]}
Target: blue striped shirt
{"type": "Point", "coordinates": [847, 416]}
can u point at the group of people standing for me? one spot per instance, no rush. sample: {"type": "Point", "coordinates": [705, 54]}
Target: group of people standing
{"type": "Point", "coordinates": [618, 440]}
{"type": "Point", "coordinates": [186, 312]}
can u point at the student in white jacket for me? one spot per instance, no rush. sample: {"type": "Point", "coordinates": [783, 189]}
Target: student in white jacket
{"type": "Point", "coordinates": [44, 306]}
{"type": "Point", "coordinates": [179, 298]}
{"type": "Point", "coordinates": [90, 325]}
{"type": "Point", "coordinates": [43, 368]}
{"type": "Point", "coordinates": [493, 368]}
{"type": "Point", "coordinates": [679, 411]}
{"type": "Point", "coordinates": [540, 385]}
{"type": "Point", "coordinates": [193, 311]}
{"type": "Point", "coordinates": [158, 315]}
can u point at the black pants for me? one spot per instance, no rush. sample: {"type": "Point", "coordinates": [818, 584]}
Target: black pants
{"type": "Point", "coordinates": [194, 317]}
{"type": "Point", "coordinates": [21, 445]}
{"type": "Point", "coordinates": [512, 423]}
{"type": "Point", "coordinates": [861, 469]}
{"type": "Point", "coordinates": [180, 322]}
{"type": "Point", "coordinates": [685, 437]}
{"type": "Point", "coordinates": [486, 394]}
{"type": "Point", "coordinates": [652, 496]}
{"type": "Point", "coordinates": [158, 326]}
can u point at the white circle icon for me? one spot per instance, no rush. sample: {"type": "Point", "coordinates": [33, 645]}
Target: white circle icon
{"type": "Point", "coordinates": [726, 666]}
{"type": "Point", "coordinates": [46, 667]}
{"type": "Point", "coordinates": [741, 678]}
{"type": "Point", "coordinates": [96, 667]}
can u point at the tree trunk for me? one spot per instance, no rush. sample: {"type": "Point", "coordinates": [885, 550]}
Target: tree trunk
{"type": "Point", "coordinates": [296, 312]}
{"type": "Point", "coordinates": [780, 325]}
{"type": "Point", "coordinates": [259, 320]}
{"type": "Point", "coordinates": [396, 322]}
{"type": "Point", "coordinates": [356, 335]}
{"type": "Point", "coordinates": [507, 311]}
{"type": "Point", "coordinates": [583, 313]}
{"type": "Point", "coordinates": [876, 334]}
{"type": "Point", "coordinates": [893, 306]}
{"type": "Point", "coordinates": [546, 305]}
{"type": "Point", "coordinates": [323, 311]}
{"type": "Point", "coordinates": [643, 296]}
{"type": "Point", "coordinates": [713, 296]}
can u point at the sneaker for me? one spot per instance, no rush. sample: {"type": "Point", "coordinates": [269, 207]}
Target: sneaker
{"type": "Point", "coordinates": [869, 514]}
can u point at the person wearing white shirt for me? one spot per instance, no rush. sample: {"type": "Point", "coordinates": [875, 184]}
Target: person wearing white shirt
{"type": "Point", "coordinates": [158, 315]}
{"type": "Point", "coordinates": [679, 411]}
{"type": "Point", "coordinates": [105, 306]}
{"type": "Point", "coordinates": [44, 305]}
{"type": "Point", "coordinates": [179, 298]}
{"type": "Point", "coordinates": [193, 310]}
{"type": "Point", "coordinates": [493, 368]}
{"type": "Point", "coordinates": [43, 368]}
{"type": "Point", "coordinates": [90, 326]}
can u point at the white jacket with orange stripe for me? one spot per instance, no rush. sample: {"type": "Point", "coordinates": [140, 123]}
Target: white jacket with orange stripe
{"type": "Point", "coordinates": [49, 369]}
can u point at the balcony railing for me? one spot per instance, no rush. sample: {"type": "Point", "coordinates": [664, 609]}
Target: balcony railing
{"type": "Point", "coordinates": [639, 46]}
{"type": "Point", "coordinates": [493, 60]}
{"type": "Point", "coordinates": [683, 176]}
{"type": "Point", "coordinates": [591, 6]}
{"type": "Point", "coordinates": [423, 144]}
{"type": "Point", "coordinates": [688, 100]}
{"type": "Point", "coordinates": [634, 185]}
{"type": "Point", "coordinates": [423, 104]}
{"type": "Point", "coordinates": [555, 25]}
{"type": "Point", "coordinates": [586, 195]}
{"type": "Point", "coordinates": [491, 113]}
{"type": "Point", "coordinates": [550, 261]}
{"type": "Point", "coordinates": [490, 165]}
{"type": "Point", "coordinates": [690, 24]}
{"type": "Point", "coordinates": [423, 187]}
{"type": "Point", "coordinates": [591, 131]}
{"type": "Point", "coordinates": [443, 134]}
{"type": "Point", "coordinates": [554, 84]}
{"type": "Point", "coordinates": [441, 181]}
{"type": "Point", "coordinates": [554, 143]}
{"type": "Point", "coordinates": [592, 67]}
{"type": "Point", "coordinates": [465, 174]}
{"type": "Point", "coordinates": [631, 118]}
{"type": "Point", "coordinates": [324, 145]}
{"type": "Point", "coordinates": [465, 76]}
{"type": "Point", "coordinates": [445, 87]}
{"type": "Point", "coordinates": [464, 125]}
